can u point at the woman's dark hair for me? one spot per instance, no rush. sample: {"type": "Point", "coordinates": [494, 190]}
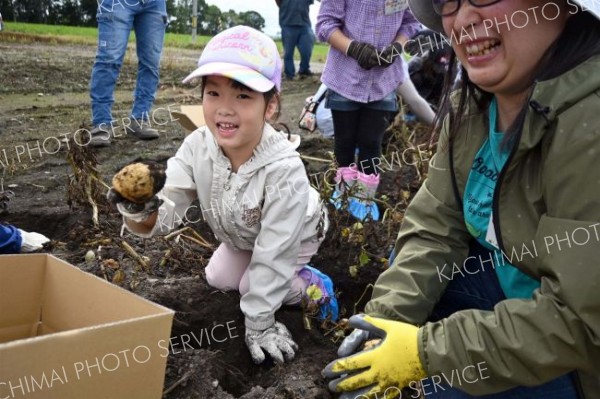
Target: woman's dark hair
{"type": "Point", "coordinates": [269, 95]}
{"type": "Point", "coordinates": [579, 40]}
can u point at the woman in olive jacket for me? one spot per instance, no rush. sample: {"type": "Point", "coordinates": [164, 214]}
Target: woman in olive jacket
{"type": "Point", "coordinates": [496, 285]}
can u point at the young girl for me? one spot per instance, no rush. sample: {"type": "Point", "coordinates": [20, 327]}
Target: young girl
{"type": "Point", "coordinates": [363, 70]}
{"type": "Point", "coordinates": [495, 278]}
{"type": "Point", "coordinates": [253, 191]}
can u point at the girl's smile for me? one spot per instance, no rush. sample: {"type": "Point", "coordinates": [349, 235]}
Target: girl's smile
{"type": "Point", "coordinates": [226, 129]}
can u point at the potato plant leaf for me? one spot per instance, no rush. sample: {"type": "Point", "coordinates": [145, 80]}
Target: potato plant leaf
{"type": "Point", "coordinates": [314, 292]}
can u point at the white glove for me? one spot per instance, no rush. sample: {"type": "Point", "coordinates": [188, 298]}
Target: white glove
{"type": "Point", "coordinates": [353, 342]}
{"type": "Point", "coordinates": [32, 241]}
{"type": "Point", "coordinates": [275, 340]}
{"type": "Point", "coordinates": [132, 211]}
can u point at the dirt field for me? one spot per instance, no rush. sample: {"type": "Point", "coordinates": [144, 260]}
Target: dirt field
{"type": "Point", "coordinates": [44, 98]}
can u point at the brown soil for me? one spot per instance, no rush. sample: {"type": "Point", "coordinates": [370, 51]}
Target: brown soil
{"type": "Point", "coordinates": [44, 94]}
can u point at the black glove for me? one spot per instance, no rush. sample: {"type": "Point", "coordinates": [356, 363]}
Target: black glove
{"type": "Point", "coordinates": [390, 53]}
{"type": "Point", "coordinates": [364, 53]}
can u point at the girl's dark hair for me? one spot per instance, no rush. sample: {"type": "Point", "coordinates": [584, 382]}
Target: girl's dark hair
{"type": "Point", "coordinates": [269, 95]}
{"type": "Point", "coordinates": [579, 40]}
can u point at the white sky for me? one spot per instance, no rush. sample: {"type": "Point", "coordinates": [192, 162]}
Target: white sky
{"type": "Point", "coordinates": [267, 8]}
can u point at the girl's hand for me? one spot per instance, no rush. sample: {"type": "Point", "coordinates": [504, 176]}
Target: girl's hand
{"type": "Point", "coordinates": [275, 340]}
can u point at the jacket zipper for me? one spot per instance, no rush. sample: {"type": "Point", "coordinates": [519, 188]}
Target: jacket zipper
{"type": "Point", "coordinates": [537, 107]}
{"type": "Point", "coordinates": [495, 200]}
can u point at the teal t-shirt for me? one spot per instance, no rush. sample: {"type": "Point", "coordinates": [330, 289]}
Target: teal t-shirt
{"type": "Point", "coordinates": [478, 199]}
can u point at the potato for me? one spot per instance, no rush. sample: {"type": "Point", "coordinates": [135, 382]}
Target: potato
{"type": "Point", "coordinates": [140, 181]}
{"type": "Point", "coordinates": [370, 344]}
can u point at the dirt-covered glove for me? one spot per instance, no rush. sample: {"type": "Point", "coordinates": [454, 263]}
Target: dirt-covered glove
{"type": "Point", "coordinates": [31, 241]}
{"type": "Point", "coordinates": [275, 340]}
{"type": "Point", "coordinates": [390, 53]}
{"type": "Point", "coordinates": [133, 211]}
{"type": "Point", "coordinates": [364, 53]}
{"type": "Point", "coordinates": [353, 342]}
{"type": "Point", "coordinates": [393, 362]}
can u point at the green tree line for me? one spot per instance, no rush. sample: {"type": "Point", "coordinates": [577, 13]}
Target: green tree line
{"type": "Point", "coordinates": [211, 19]}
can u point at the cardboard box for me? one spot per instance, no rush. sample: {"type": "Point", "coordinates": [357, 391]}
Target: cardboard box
{"type": "Point", "coordinates": [191, 117]}
{"type": "Point", "coordinates": [67, 334]}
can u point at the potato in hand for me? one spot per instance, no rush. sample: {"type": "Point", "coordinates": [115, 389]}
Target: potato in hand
{"type": "Point", "coordinates": [140, 181]}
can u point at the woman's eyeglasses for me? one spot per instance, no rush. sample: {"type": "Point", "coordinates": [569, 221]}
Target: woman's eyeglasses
{"type": "Point", "coordinates": [448, 7]}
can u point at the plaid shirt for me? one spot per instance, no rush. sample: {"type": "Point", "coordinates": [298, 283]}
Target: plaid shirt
{"type": "Point", "coordinates": [364, 21]}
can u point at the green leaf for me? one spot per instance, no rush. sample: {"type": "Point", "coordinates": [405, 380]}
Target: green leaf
{"type": "Point", "coordinates": [314, 292]}
{"type": "Point", "coordinates": [363, 258]}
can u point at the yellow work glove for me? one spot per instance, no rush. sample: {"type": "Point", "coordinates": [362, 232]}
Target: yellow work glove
{"type": "Point", "coordinates": [390, 365]}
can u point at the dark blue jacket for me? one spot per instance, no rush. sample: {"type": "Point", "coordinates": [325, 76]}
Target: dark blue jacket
{"type": "Point", "coordinates": [10, 239]}
{"type": "Point", "coordinates": [294, 12]}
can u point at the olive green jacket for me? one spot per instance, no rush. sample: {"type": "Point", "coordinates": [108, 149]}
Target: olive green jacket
{"type": "Point", "coordinates": [548, 190]}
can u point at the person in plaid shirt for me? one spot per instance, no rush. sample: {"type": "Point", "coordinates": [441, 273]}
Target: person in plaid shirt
{"type": "Point", "coordinates": [363, 69]}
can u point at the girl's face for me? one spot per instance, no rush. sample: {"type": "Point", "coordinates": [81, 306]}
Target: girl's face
{"type": "Point", "coordinates": [500, 57]}
{"type": "Point", "coordinates": [236, 116]}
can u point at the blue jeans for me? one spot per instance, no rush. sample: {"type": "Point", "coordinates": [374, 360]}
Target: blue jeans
{"type": "Point", "coordinates": [116, 18]}
{"type": "Point", "coordinates": [337, 102]}
{"type": "Point", "coordinates": [483, 291]}
{"type": "Point", "coordinates": [301, 37]}
{"type": "Point", "coordinates": [10, 239]}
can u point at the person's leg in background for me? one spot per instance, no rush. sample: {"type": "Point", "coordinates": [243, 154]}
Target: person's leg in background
{"type": "Point", "coordinates": [345, 126]}
{"type": "Point", "coordinates": [150, 23]}
{"type": "Point", "coordinates": [482, 291]}
{"type": "Point", "coordinates": [115, 21]}
{"type": "Point", "coordinates": [289, 38]}
{"type": "Point", "coordinates": [226, 268]}
{"type": "Point", "coordinates": [306, 42]}
{"type": "Point", "coordinates": [371, 127]}
{"type": "Point", "coordinates": [417, 104]}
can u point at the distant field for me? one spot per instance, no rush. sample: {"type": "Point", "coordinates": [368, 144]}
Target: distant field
{"type": "Point", "coordinates": [24, 32]}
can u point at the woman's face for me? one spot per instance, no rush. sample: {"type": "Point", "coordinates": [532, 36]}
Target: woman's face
{"type": "Point", "coordinates": [500, 45]}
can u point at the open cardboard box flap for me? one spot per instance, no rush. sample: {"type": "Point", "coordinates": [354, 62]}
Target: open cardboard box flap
{"type": "Point", "coordinates": [58, 321]}
{"type": "Point", "coordinates": [191, 117]}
